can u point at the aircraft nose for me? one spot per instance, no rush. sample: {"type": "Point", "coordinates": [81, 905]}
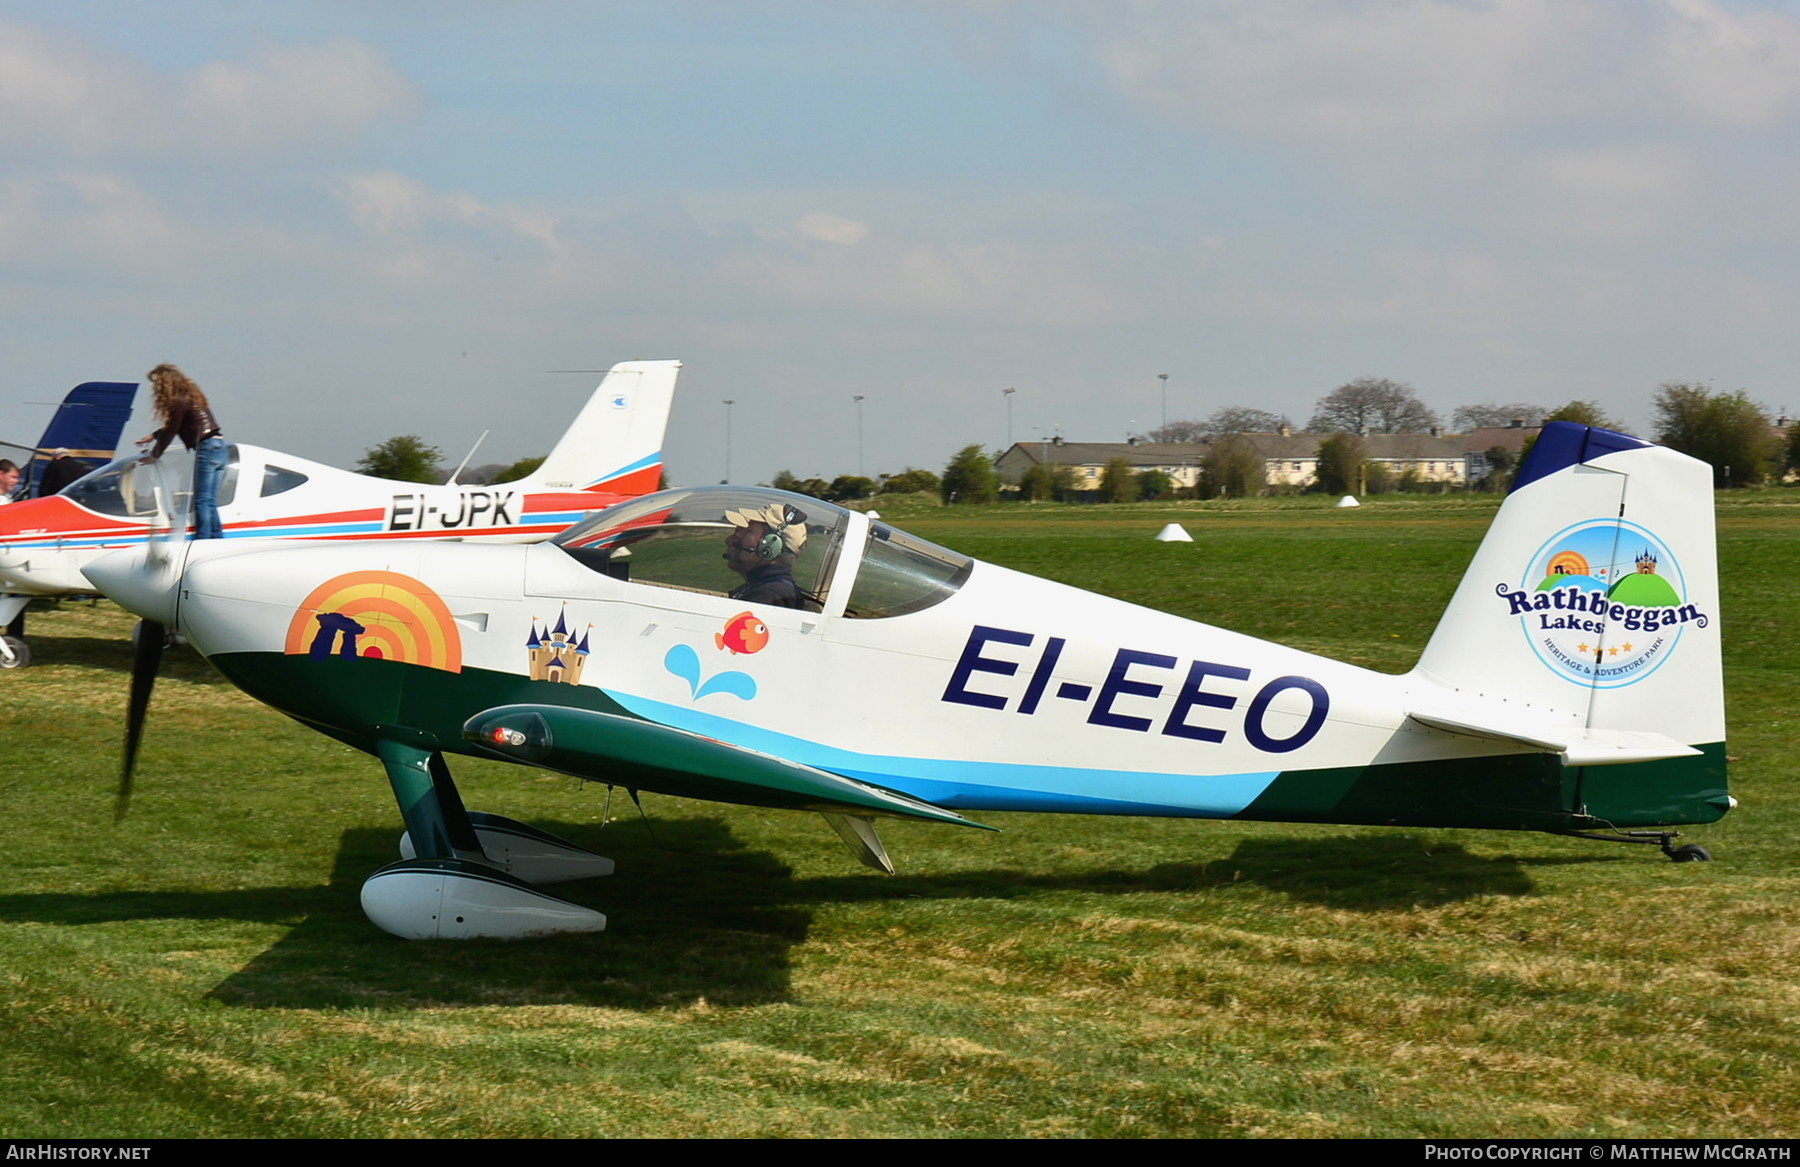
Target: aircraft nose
{"type": "Point", "coordinates": [138, 582]}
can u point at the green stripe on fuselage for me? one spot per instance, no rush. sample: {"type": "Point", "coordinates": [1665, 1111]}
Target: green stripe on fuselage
{"type": "Point", "coordinates": [1530, 792]}
{"type": "Point", "coordinates": [350, 699]}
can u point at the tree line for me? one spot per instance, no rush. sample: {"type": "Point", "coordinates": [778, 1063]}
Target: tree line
{"type": "Point", "coordinates": [407, 458]}
{"type": "Point", "coordinates": [1730, 431]}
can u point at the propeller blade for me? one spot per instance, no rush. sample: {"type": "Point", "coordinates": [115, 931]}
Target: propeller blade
{"type": "Point", "coordinates": [151, 637]}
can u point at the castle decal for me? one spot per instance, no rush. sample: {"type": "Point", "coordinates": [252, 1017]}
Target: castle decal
{"type": "Point", "coordinates": [553, 654]}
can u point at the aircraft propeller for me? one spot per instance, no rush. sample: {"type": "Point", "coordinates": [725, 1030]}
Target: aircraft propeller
{"type": "Point", "coordinates": [145, 579]}
{"type": "Point", "coordinates": [146, 659]}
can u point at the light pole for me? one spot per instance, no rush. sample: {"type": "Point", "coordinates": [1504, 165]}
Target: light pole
{"type": "Point", "coordinates": [859, 436]}
{"type": "Point", "coordinates": [728, 404]}
{"type": "Point", "coordinates": [1008, 394]}
{"type": "Point", "coordinates": [1164, 378]}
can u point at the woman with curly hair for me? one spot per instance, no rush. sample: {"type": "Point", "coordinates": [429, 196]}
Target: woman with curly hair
{"type": "Point", "coordinates": [184, 412]}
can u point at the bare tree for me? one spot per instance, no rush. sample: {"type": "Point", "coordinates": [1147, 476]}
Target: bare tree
{"type": "Point", "coordinates": [1474, 417]}
{"type": "Point", "coordinates": [1244, 419]}
{"type": "Point", "coordinates": [1376, 404]}
{"type": "Point", "coordinates": [1178, 431]}
{"type": "Point", "coordinates": [1229, 419]}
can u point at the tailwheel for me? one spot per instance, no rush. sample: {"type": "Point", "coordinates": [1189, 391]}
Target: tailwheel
{"type": "Point", "coordinates": [1686, 853]}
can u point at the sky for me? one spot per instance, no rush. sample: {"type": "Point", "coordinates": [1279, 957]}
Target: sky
{"type": "Point", "coordinates": [349, 221]}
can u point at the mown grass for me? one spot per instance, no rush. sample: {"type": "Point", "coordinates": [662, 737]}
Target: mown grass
{"type": "Point", "coordinates": [205, 969]}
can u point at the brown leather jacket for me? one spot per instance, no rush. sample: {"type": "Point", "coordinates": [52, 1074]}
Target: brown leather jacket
{"type": "Point", "coordinates": [194, 423]}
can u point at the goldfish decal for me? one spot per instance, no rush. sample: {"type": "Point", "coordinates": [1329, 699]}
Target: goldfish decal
{"type": "Point", "coordinates": [744, 633]}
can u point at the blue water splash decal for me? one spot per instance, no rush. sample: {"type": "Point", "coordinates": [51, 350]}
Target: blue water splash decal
{"type": "Point", "coordinates": [737, 684]}
{"type": "Point", "coordinates": [684, 662]}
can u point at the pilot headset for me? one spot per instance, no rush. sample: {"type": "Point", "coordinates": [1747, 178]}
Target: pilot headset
{"type": "Point", "coordinates": [776, 541]}
{"type": "Point", "coordinates": [787, 529]}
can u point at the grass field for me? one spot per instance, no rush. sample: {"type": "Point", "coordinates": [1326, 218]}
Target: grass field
{"type": "Point", "coordinates": [205, 970]}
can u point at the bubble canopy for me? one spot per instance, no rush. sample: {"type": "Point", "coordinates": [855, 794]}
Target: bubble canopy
{"type": "Point", "coordinates": [678, 539]}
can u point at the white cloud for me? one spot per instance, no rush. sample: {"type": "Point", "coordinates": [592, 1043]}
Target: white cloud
{"type": "Point", "coordinates": [284, 94]}
{"type": "Point", "coordinates": [1625, 195]}
{"type": "Point", "coordinates": [389, 203]}
{"type": "Point", "coordinates": [64, 93]}
{"type": "Point", "coordinates": [1353, 73]}
{"type": "Point", "coordinates": [831, 228]}
{"type": "Point", "coordinates": [1732, 66]}
{"type": "Point", "coordinates": [103, 218]}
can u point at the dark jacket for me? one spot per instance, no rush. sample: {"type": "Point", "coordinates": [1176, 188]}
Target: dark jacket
{"type": "Point", "coordinates": [189, 420]}
{"type": "Point", "coordinates": [772, 583]}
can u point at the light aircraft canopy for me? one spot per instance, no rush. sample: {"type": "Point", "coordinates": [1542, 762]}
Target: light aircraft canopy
{"type": "Point", "coordinates": [673, 539]}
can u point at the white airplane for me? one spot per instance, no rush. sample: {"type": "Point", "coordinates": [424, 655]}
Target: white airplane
{"type": "Point", "coordinates": [613, 451]}
{"type": "Point", "coordinates": [1573, 686]}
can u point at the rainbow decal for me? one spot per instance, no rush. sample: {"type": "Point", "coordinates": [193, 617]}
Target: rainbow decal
{"type": "Point", "coordinates": [380, 614]}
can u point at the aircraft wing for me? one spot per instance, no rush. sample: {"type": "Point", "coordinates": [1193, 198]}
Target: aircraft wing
{"type": "Point", "coordinates": [1578, 745]}
{"type": "Point", "coordinates": [642, 755]}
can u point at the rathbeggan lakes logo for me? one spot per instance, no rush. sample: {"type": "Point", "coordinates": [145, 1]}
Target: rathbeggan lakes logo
{"type": "Point", "coordinates": [1602, 603]}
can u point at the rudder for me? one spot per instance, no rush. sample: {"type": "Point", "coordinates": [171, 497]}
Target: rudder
{"type": "Point", "coordinates": [1592, 605]}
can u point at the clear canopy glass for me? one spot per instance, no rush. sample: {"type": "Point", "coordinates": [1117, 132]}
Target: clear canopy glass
{"type": "Point", "coordinates": [678, 539]}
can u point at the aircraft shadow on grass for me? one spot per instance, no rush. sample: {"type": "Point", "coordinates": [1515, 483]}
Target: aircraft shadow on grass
{"type": "Point", "coordinates": [92, 649]}
{"type": "Point", "coordinates": [710, 919]}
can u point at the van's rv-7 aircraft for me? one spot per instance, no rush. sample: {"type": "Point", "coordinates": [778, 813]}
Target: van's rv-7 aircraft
{"type": "Point", "coordinates": [1572, 687]}
{"type": "Point", "coordinates": [612, 451]}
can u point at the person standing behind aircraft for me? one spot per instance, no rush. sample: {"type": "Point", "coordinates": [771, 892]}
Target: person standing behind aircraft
{"type": "Point", "coordinates": [63, 470]}
{"type": "Point", "coordinates": [9, 480]}
{"type": "Point", "coordinates": [184, 411]}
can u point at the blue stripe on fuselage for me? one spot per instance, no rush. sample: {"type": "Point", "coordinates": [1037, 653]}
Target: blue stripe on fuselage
{"type": "Point", "coordinates": [966, 785]}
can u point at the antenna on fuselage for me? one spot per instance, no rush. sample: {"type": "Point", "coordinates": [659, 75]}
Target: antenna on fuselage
{"type": "Point", "coordinates": [460, 466]}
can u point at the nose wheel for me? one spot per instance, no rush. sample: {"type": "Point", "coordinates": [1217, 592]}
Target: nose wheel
{"type": "Point", "coordinates": [13, 651]}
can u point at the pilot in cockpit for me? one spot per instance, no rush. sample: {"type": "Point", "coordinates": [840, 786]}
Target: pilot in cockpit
{"type": "Point", "coordinates": [762, 547]}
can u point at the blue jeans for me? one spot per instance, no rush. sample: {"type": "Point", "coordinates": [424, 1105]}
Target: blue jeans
{"type": "Point", "coordinates": [209, 468]}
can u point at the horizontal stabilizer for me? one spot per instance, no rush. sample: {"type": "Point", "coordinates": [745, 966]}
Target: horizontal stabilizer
{"type": "Point", "coordinates": [1578, 745]}
{"type": "Point", "coordinates": [642, 755]}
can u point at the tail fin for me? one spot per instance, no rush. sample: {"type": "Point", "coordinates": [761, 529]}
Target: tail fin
{"type": "Point", "coordinates": [1588, 622]}
{"type": "Point", "coordinates": [88, 423]}
{"type": "Point", "coordinates": [615, 444]}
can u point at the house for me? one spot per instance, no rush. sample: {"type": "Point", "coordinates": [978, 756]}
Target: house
{"type": "Point", "coordinates": [1290, 460]}
{"type": "Point", "coordinates": [1179, 460]}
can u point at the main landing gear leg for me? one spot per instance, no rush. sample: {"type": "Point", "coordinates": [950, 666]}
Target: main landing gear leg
{"type": "Point", "coordinates": [450, 888]}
